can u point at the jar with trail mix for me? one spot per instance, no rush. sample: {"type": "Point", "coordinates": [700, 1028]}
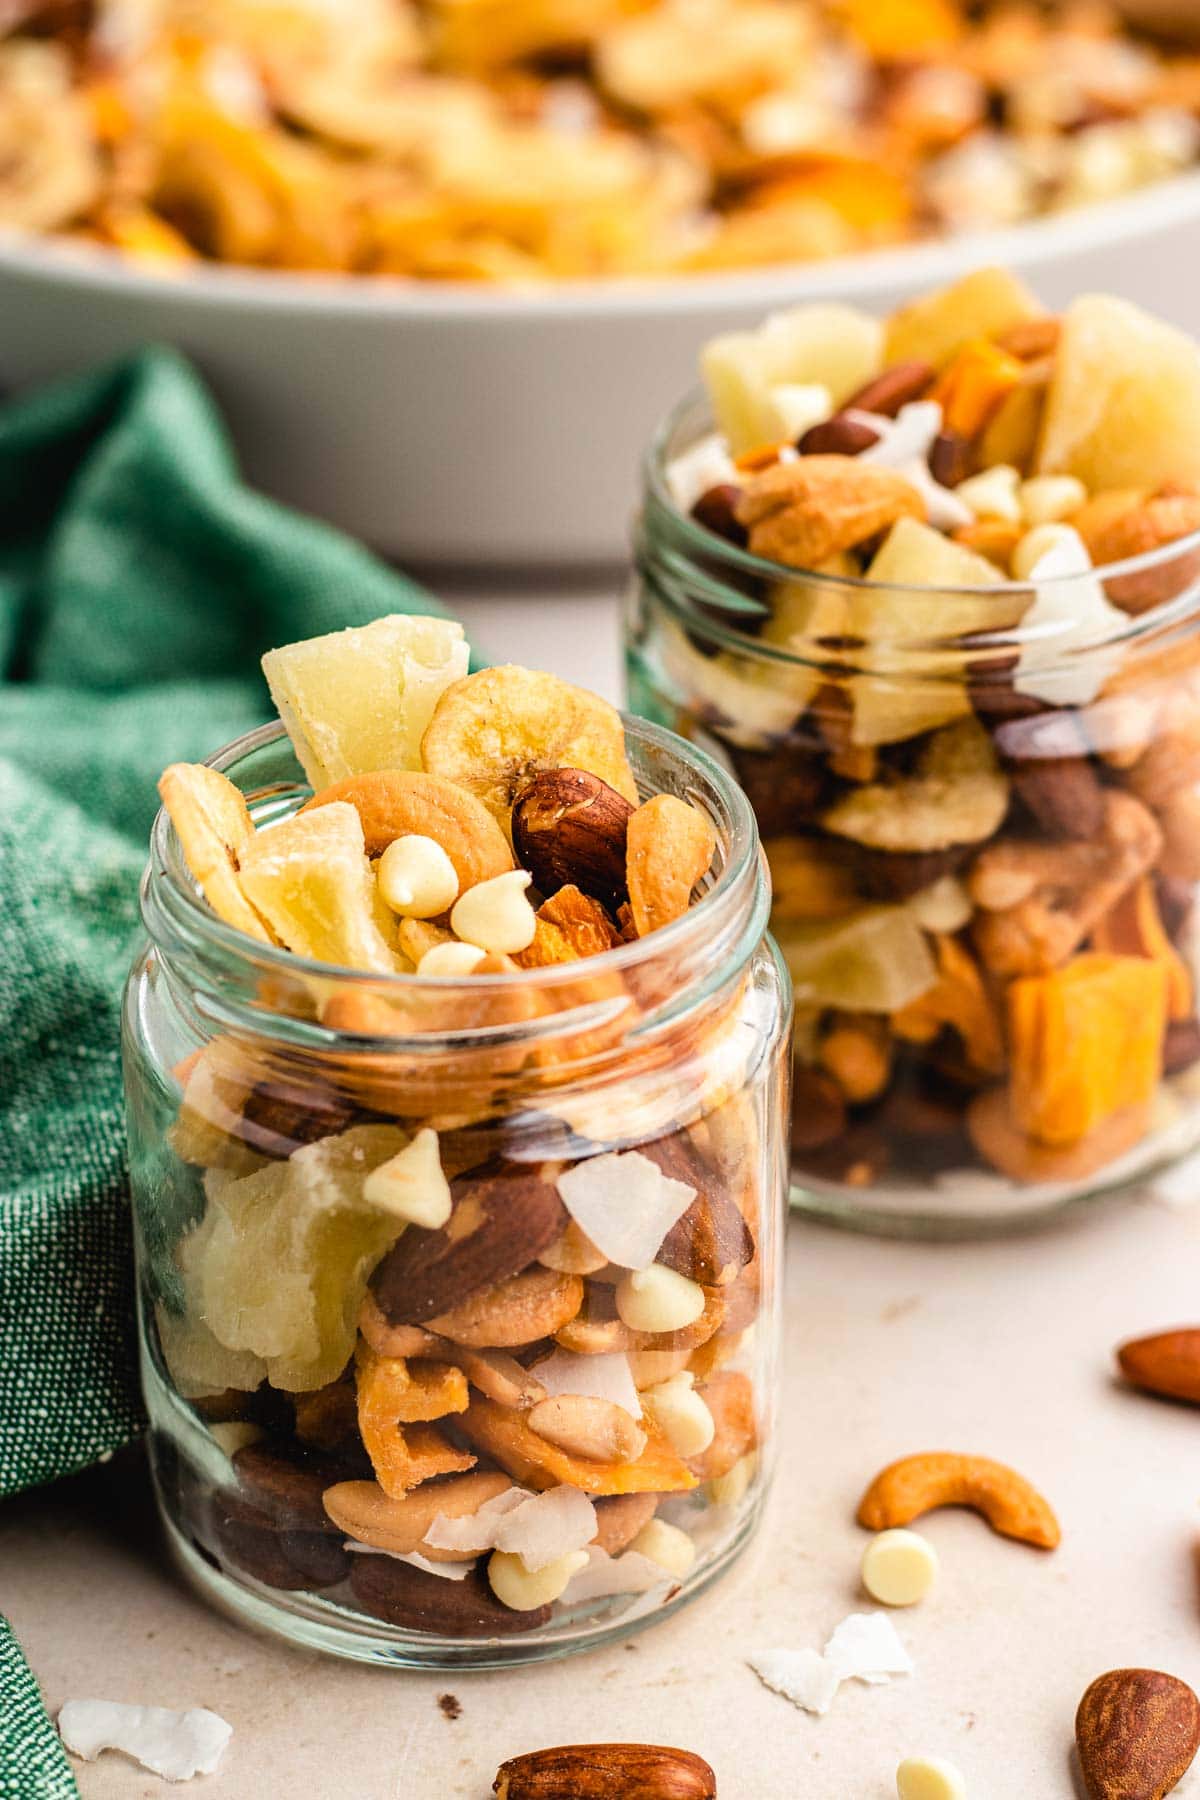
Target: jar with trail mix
{"type": "Point", "coordinates": [946, 634]}
{"type": "Point", "coordinates": [458, 1285]}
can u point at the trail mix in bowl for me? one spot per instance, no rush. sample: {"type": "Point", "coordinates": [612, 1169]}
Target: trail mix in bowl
{"type": "Point", "coordinates": [968, 719]}
{"type": "Point", "coordinates": [520, 141]}
{"type": "Point", "coordinates": [471, 1260]}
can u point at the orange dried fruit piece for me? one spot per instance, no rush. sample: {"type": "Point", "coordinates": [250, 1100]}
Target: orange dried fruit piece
{"type": "Point", "coordinates": [503, 1434]}
{"type": "Point", "coordinates": [959, 999]}
{"type": "Point", "coordinates": [405, 1452]}
{"type": "Point", "coordinates": [394, 803]}
{"type": "Point", "coordinates": [569, 926]}
{"type": "Point", "coordinates": [494, 731]}
{"type": "Point", "coordinates": [214, 830]}
{"type": "Point", "coordinates": [669, 846]}
{"type": "Point", "coordinates": [1134, 927]}
{"type": "Point", "coordinates": [1001, 1142]}
{"type": "Point", "coordinates": [310, 878]}
{"type": "Point", "coordinates": [974, 386]}
{"type": "Point", "coordinates": [1086, 1042]}
{"type": "Point", "coordinates": [393, 1391]}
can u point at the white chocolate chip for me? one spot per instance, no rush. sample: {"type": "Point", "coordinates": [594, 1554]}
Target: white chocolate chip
{"type": "Point", "coordinates": [1036, 544]}
{"type": "Point", "coordinates": [728, 1489]}
{"type": "Point", "coordinates": [411, 1185]}
{"type": "Point", "coordinates": [416, 878]}
{"type": "Point", "coordinates": [496, 915]}
{"type": "Point", "coordinates": [658, 1299]}
{"type": "Point", "coordinates": [929, 1778]}
{"type": "Point", "coordinates": [681, 1414]}
{"type": "Point", "coordinates": [994, 493]}
{"type": "Point", "coordinates": [515, 1586]}
{"type": "Point", "coordinates": [451, 959]}
{"type": "Point", "coordinates": [1045, 499]}
{"type": "Point", "coordinates": [232, 1435]}
{"type": "Point", "coordinates": [899, 1567]}
{"type": "Point", "coordinates": [672, 1549]}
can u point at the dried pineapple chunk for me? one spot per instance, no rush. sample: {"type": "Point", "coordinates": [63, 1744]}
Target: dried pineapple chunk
{"type": "Point", "coordinates": [933, 328]}
{"type": "Point", "coordinates": [834, 347]}
{"type": "Point", "coordinates": [310, 879]}
{"type": "Point", "coordinates": [1123, 408]}
{"type": "Point", "coordinates": [359, 700]}
{"type": "Point", "coordinates": [277, 1268]}
{"type": "Point", "coordinates": [875, 960]}
{"type": "Point", "coordinates": [958, 794]}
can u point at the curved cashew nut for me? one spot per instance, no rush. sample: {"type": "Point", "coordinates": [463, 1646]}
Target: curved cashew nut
{"type": "Point", "coordinates": [918, 1484]}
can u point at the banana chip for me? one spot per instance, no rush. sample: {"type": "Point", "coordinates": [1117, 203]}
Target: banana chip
{"type": "Point", "coordinates": [214, 830]}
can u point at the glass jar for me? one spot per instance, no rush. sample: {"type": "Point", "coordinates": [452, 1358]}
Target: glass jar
{"type": "Point", "coordinates": [981, 809]}
{"type": "Point", "coordinates": [329, 1390]}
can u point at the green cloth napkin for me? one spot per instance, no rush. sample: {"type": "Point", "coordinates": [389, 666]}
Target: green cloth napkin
{"type": "Point", "coordinates": [140, 582]}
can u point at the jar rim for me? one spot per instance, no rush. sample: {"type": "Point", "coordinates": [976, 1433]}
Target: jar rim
{"type": "Point", "coordinates": [173, 904]}
{"type": "Point", "coordinates": [694, 410]}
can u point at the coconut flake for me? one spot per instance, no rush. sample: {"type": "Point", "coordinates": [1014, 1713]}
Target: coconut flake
{"type": "Point", "coordinates": [903, 444]}
{"type": "Point", "coordinates": [630, 1573]}
{"type": "Point", "coordinates": [625, 1204]}
{"type": "Point", "coordinates": [175, 1745]}
{"type": "Point", "coordinates": [604, 1377]}
{"type": "Point", "coordinates": [476, 1531]}
{"type": "Point", "coordinates": [802, 1676]}
{"type": "Point", "coordinates": [707, 464]}
{"type": "Point", "coordinates": [866, 1647]}
{"type": "Point", "coordinates": [1074, 614]}
{"type": "Point", "coordinates": [449, 1571]}
{"type": "Point", "coordinates": [547, 1527]}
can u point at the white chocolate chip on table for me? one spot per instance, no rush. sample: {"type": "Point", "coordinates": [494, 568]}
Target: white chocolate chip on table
{"type": "Point", "coordinates": [899, 1567]}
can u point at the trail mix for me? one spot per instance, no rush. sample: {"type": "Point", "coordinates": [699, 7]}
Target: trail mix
{"type": "Point", "coordinates": [972, 751]}
{"type": "Point", "coordinates": [523, 141]}
{"type": "Point", "coordinates": [470, 1328]}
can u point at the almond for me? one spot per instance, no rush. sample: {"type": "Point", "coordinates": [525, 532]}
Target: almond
{"type": "Point", "coordinates": [569, 827]}
{"type": "Point", "coordinates": [804, 512]}
{"type": "Point", "coordinates": [1137, 1733]}
{"type": "Point", "coordinates": [604, 1771]}
{"type": "Point", "coordinates": [503, 1217]}
{"type": "Point", "coordinates": [712, 1242]}
{"type": "Point", "coordinates": [1149, 526]}
{"type": "Point", "coordinates": [1168, 1364]}
{"type": "Point", "coordinates": [417, 1601]}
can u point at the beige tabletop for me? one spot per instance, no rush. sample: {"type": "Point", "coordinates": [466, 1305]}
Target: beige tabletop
{"type": "Point", "coordinates": [1003, 1348]}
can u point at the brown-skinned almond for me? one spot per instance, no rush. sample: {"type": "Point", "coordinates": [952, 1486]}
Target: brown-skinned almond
{"type": "Point", "coordinates": [1167, 1363]}
{"type": "Point", "coordinates": [1137, 1732]}
{"type": "Point", "coordinates": [569, 828]}
{"type": "Point", "coordinates": [604, 1771]}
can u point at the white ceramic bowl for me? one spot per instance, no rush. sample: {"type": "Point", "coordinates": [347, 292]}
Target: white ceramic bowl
{"type": "Point", "coordinates": [460, 425]}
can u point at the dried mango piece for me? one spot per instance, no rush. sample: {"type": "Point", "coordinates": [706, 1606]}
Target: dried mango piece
{"type": "Point", "coordinates": [310, 878]}
{"type": "Point", "coordinates": [392, 1391]}
{"type": "Point", "coordinates": [215, 830]}
{"type": "Point", "coordinates": [569, 926]}
{"type": "Point", "coordinates": [974, 386]}
{"type": "Point", "coordinates": [898, 30]}
{"type": "Point", "coordinates": [1134, 927]}
{"type": "Point", "coordinates": [1086, 1042]}
{"type": "Point", "coordinates": [959, 999]}
{"type": "Point", "coordinates": [403, 1456]}
{"type": "Point", "coordinates": [503, 1434]}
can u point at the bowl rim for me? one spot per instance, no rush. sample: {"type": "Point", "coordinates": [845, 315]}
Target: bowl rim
{"type": "Point", "coordinates": [874, 274]}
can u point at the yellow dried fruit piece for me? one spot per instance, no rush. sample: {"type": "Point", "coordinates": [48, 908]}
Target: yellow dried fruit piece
{"type": "Point", "coordinates": [835, 347]}
{"type": "Point", "coordinates": [875, 960]}
{"type": "Point", "coordinates": [960, 1000]}
{"type": "Point", "coordinates": [310, 878]}
{"type": "Point", "coordinates": [957, 795]}
{"type": "Point", "coordinates": [1086, 1043]}
{"type": "Point", "coordinates": [1134, 927]}
{"type": "Point", "coordinates": [669, 846]}
{"type": "Point", "coordinates": [359, 700]}
{"type": "Point", "coordinates": [214, 831]}
{"type": "Point", "coordinates": [1123, 408]}
{"type": "Point", "coordinates": [393, 803]}
{"type": "Point", "coordinates": [934, 328]}
{"type": "Point", "coordinates": [494, 731]}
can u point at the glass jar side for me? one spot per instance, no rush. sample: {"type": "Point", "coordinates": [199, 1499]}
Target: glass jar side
{"type": "Point", "coordinates": [984, 847]}
{"type": "Point", "coordinates": [320, 1374]}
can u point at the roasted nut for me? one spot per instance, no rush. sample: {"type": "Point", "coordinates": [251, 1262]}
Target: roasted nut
{"type": "Point", "coordinates": [569, 828]}
{"type": "Point", "coordinates": [287, 1484]}
{"type": "Point", "coordinates": [619, 1518]}
{"type": "Point", "coordinates": [669, 847]}
{"type": "Point", "coordinates": [418, 1601]}
{"type": "Point", "coordinates": [521, 1310]}
{"type": "Point", "coordinates": [918, 1484]}
{"type": "Point", "coordinates": [950, 459]}
{"type": "Point", "coordinates": [1137, 1732]}
{"type": "Point", "coordinates": [1144, 528]}
{"type": "Point", "coordinates": [857, 1053]}
{"type": "Point", "coordinates": [804, 512]}
{"type": "Point", "coordinates": [604, 1771]}
{"type": "Point", "coordinates": [503, 1435]}
{"type": "Point", "coordinates": [839, 436]}
{"type": "Point", "coordinates": [584, 1425]}
{"type": "Point", "coordinates": [1045, 755]}
{"type": "Point", "coordinates": [729, 1397]}
{"type": "Point", "coordinates": [278, 1557]}
{"type": "Point", "coordinates": [1167, 1364]}
{"type": "Point", "coordinates": [896, 386]}
{"type": "Point", "coordinates": [393, 803]}
{"type": "Point", "coordinates": [711, 1243]}
{"type": "Point", "coordinates": [716, 510]}
{"type": "Point", "coordinates": [364, 1512]}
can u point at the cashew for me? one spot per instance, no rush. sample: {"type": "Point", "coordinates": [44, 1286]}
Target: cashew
{"type": "Point", "coordinates": [365, 1512]}
{"type": "Point", "coordinates": [533, 1305]}
{"type": "Point", "coordinates": [584, 1425]}
{"type": "Point", "coordinates": [919, 1484]}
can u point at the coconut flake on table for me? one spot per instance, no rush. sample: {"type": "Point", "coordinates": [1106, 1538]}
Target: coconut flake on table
{"type": "Point", "coordinates": [547, 1527]}
{"type": "Point", "coordinates": [175, 1745]}
{"type": "Point", "coordinates": [449, 1571]}
{"type": "Point", "coordinates": [867, 1647]}
{"type": "Point", "coordinates": [476, 1531]}
{"type": "Point", "coordinates": [801, 1676]}
{"type": "Point", "coordinates": [706, 464]}
{"type": "Point", "coordinates": [625, 1204]}
{"type": "Point", "coordinates": [903, 445]}
{"type": "Point", "coordinates": [1073, 613]}
{"type": "Point", "coordinates": [629, 1573]}
{"type": "Point", "coordinates": [604, 1377]}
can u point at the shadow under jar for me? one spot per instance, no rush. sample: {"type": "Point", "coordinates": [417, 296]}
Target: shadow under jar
{"type": "Point", "coordinates": [981, 809]}
{"type": "Point", "coordinates": [333, 1395]}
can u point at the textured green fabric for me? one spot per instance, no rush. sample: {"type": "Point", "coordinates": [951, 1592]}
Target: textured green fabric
{"type": "Point", "coordinates": [139, 585]}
